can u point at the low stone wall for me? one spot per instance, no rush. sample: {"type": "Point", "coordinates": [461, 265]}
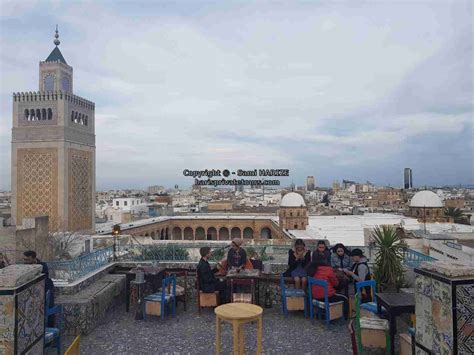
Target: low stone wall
{"type": "Point", "coordinates": [272, 283]}
{"type": "Point", "coordinates": [82, 283]}
{"type": "Point", "coordinates": [84, 309]}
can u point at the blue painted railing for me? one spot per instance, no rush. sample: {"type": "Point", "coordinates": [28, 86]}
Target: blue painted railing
{"type": "Point", "coordinates": [71, 270]}
{"type": "Point", "coordinates": [74, 269]}
{"type": "Point", "coordinates": [414, 258]}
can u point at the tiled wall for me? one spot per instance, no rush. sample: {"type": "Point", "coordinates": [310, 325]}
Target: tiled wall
{"type": "Point", "coordinates": [25, 321]}
{"type": "Point", "coordinates": [434, 316]}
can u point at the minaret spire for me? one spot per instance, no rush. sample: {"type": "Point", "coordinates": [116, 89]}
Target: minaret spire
{"type": "Point", "coordinates": [56, 36]}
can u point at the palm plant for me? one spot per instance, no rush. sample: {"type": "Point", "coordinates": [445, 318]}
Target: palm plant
{"type": "Point", "coordinates": [389, 271]}
{"type": "Point", "coordinates": [453, 212]}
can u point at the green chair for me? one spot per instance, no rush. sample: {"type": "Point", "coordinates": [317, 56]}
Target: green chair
{"type": "Point", "coordinates": [365, 321]}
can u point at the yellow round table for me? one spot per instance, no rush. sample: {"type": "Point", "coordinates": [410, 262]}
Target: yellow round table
{"type": "Point", "coordinates": [238, 314]}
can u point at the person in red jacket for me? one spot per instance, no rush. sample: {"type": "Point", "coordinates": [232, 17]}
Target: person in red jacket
{"type": "Point", "coordinates": [321, 270]}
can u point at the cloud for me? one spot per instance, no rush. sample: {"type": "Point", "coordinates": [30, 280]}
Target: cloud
{"type": "Point", "coordinates": [329, 90]}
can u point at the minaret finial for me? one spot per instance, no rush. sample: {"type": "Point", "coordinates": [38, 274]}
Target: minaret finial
{"type": "Point", "coordinates": [56, 36]}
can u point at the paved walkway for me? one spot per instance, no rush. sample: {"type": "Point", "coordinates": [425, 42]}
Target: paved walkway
{"type": "Point", "coordinates": [191, 333]}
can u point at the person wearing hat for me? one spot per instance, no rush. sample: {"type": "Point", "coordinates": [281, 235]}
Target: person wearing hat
{"type": "Point", "coordinates": [360, 271]}
{"type": "Point", "coordinates": [236, 257]}
{"type": "Point", "coordinates": [208, 283]}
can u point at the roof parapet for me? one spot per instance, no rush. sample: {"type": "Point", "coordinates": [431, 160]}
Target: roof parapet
{"type": "Point", "coordinates": [52, 96]}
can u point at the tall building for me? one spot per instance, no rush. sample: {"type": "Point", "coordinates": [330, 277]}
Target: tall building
{"type": "Point", "coordinates": [310, 183]}
{"type": "Point", "coordinates": [155, 189]}
{"type": "Point", "coordinates": [407, 178]}
{"type": "Point", "coordinates": [53, 150]}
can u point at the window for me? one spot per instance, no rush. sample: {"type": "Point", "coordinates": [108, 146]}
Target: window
{"type": "Point", "coordinates": [125, 203]}
{"type": "Point", "coordinates": [32, 115]}
{"type": "Point", "coordinates": [50, 114]}
{"type": "Point", "coordinates": [85, 120]}
{"type": "Point", "coordinates": [72, 116]}
{"type": "Point", "coordinates": [296, 226]}
{"type": "Point", "coordinates": [49, 83]}
{"type": "Point", "coordinates": [43, 114]}
{"type": "Point", "coordinates": [116, 203]}
{"type": "Point", "coordinates": [38, 114]}
{"type": "Point", "coordinates": [27, 115]}
{"type": "Point", "coordinates": [291, 214]}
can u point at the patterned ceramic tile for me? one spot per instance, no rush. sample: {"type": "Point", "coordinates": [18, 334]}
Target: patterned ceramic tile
{"type": "Point", "coordinates": [465, 319]}
{"type": "Point", "coordinates": [7, 324]}
{"type": "Point", "coordinates": [36, 349]}
{"type": "Point", "coordinates": [30, 313]}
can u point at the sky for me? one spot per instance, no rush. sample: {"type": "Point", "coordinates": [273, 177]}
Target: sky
{"type": "Point", "coordinates": [336, 90]}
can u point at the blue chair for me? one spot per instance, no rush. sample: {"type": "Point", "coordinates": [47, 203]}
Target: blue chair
{"type": "Point", "coordinates": [290, 292]}
{"type": "Point", "coordinates": [166, 296]}
{"type": "Point", "coordinates": [321, 305]}
{"type": "Point", "coordinates": [52, 336]}
{"type": "Point", "coordinates": [369, 306]}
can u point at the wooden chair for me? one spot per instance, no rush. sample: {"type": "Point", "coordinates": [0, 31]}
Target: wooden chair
{"type": "Point", "coordinates": [369, 331]}
{"type": "Point", "coordinates": [155, 303]}
{"type": "Point", "coordinates": [52, 336]}
{"type": "Point", "coordinates": [74, 347]}
{"type": "Point", "coordinates": [292, 299]}
{"type": "Point", "coordinates": [242, 296]}
{"type": "Point", "coordinates": [372, 305]}
{"type": "Point", "coordinates": [205, 299]}
{"type": "Point", "coordinates": [333, 310]}
{"type": "Point", "coordinates": [180, 291]}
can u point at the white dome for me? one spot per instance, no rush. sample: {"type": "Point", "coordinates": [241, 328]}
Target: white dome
{"type": "Point", "coordinates": [292, 199]}
{"type": "Point", "coordinates": [426, 199]}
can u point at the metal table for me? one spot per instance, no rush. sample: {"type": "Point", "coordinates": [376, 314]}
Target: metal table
{"type": "Point", "coordinates": [395, 304]}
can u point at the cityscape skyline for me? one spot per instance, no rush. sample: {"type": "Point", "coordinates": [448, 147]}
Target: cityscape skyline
{"type": "Point", "coordinates": [258, 95]}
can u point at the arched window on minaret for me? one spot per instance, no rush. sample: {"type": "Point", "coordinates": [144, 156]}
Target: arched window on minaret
{"type": "Point", "coordinates": [50, 114]}
{"type": "Point", "coordinates": [27, 115]}
{"type": "Point", "coordinates": [72, 116]}
{"type": "Point", "coordinates": [75, 117]}
{"type": "Point", "coordinates": [43, 114]}
{"type": "Point", "coordinates": [87, 118]}
{"type": "Point", "coordinates": [32, 115]}
{"type": "Point", "coordinates": [38, 114]}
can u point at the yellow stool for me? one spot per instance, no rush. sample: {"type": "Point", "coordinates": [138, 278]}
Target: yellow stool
{"type": "Point", "coordinates": [238, 314]}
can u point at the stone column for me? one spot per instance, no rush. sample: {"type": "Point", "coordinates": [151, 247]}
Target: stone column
{"type": "Point", "coordinates": [444, 294]}
{"type": "Point", "coordinates": [22, 309]}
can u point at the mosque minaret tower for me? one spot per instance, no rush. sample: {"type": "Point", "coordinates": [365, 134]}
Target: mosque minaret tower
{"type": "Point", "coordinates": [53, 150]}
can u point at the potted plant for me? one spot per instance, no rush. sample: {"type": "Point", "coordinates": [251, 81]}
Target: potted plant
{"type": "Point", "coordinates": [388, 265]}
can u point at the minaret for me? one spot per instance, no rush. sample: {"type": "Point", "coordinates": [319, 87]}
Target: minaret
{"type": "Point", "coordinates": [53, 150]}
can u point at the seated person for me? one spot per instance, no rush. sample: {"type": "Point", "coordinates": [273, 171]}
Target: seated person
{"type": "Point", "coordinates": [322, 249]}
{"type": "Point", "coordinates": [298, 259]}
{"type": "Point", "coordinates": [360, 271]}
{"type": "Point", "coordinates": [341, 258]}
{"type": "Point", "coordinates": [321, 270]}
{"type": "Point", "coordinates": [255, 261]}
{"type": "Point", "coordinates": [236, 257]}
{"type": "Point", "coordinates": [208, 283]}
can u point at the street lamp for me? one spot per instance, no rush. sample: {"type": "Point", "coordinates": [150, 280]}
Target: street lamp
{"type": "Point", "coordinates": [115, 233]}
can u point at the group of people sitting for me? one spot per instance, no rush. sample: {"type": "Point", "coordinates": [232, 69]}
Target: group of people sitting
{"type": "Point", "coordinates": [339, 268]}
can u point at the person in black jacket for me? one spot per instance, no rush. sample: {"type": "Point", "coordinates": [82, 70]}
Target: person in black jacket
{"type": "Point", "coordinates": [208, 283]}
{"type": "Point", "coordinates": [298, 258]}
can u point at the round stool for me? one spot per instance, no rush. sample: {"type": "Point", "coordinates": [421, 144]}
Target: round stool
{"type": "Point", "coordinates": [238, 314]}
